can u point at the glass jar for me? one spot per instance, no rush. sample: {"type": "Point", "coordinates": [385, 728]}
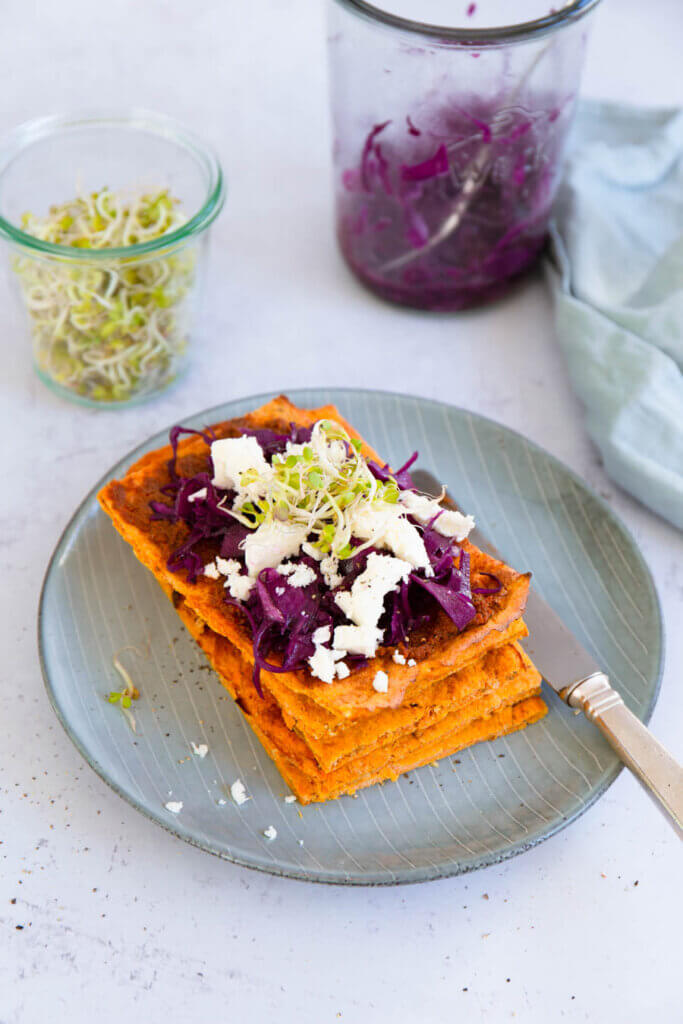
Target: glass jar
{"type": "Point", "coordinates": [110, 323]}
{"type": "Point", "coordinates": [448, 140]}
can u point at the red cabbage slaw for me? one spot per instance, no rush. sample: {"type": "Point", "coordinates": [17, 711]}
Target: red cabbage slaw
{"type": "Point", "coordinates": [408, 179]}
{"type": "Point", "coordinates": [283, 618]}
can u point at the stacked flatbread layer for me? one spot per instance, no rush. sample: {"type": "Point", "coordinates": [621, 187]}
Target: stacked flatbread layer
{"type": "Point", "coordinates": [446, 690]}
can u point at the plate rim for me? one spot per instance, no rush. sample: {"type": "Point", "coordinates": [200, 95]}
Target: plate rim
{"type": "Point", "coordinates": [408, 876]}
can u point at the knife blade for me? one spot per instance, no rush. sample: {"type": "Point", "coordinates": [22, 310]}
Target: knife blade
{"type": "Point", "coordinates": [574, 674]}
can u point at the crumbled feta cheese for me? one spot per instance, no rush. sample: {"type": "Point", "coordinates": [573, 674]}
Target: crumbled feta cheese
{"type": "Point", "coordinates": [449, 523]}
{"type": "Point", "coordinates": [238, 792]}
{"type": "Point", "coordinates": [174, 806]}
{"type": "Point", "coordinates": [279, 591]}
{"type": "Point", "coordinates": [364, 603]}
{"type": "Point", "coordinates": [411, 662]}
{"type": "Point", "coordinates": [321, 635]}
{"type": "Point", "coordinates": [233, 456]}
{"type": "Point", "coordinates": [270, 544]}
{"type": "Point", "coordinates": [227, 565]}
{"type": "Point", "coordinates": [381, 682]}
{"type": "Point", "coordinates": [328, 568]}
{"type": "Point", "coordinates": [343, 670]}
{"type": "Point", "coordinates": [270, 832]}
{"type": "Point", "coordinates": [312, 551]}
{"type": "Point", "coordinates": [386, 526]}
{"type": "Point", "coordinates": [322, 664]}
{"type": "Point", "coordinates": [290, 799]}
{"type": "Point", "coordinates": [286, 568]}
{"type": "Point", "coordinates": [302, 576]}
{"type": "Point", "coordinates": [211, 571]}
{"type": "Point", "coordinates": [239, 586]}
{"type": "Point", "coordinates": [198, 495]}
{"type": "Point", "coordinates": [221, 802]}
{"type": "Point", "coordinates": [398, 658]}
{"type": "Point", "coordinates": [325, 664]}
{"type": "Point", "coordinates": [357, 640]}
{"type": "Point", "coordinates": [200, 749]}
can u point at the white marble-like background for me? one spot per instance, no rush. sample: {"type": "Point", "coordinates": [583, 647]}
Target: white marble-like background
{"type": "Point", "coordinates": [103, 915]}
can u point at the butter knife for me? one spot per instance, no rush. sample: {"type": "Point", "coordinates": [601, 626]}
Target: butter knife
{"type": "Point", "coordinates": [578, 680]}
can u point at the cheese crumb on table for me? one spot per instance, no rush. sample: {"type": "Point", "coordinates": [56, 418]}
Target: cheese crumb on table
{"type": "Point", "coordinates": [270, 832]}
{"type": "Point", "coordinates": [200, 749]}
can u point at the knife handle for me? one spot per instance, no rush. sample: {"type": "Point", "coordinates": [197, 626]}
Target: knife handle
{"type": "Point", "coordinates": [636, 746]}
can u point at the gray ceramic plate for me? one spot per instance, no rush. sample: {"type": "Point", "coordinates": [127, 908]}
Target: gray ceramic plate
{"type": "Point", "coordinates": [492, 801]}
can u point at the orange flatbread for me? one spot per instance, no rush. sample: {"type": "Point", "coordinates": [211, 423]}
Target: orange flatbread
{"type": "Point", "coordinates": [461, 686]}
{"type": "Point", "coordinates": [438, 654]}
{"type": "Point", "coordinates": [505, 708]}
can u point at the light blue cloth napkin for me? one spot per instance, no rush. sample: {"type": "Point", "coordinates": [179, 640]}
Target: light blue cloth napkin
{"type": "Point", "coordinates": [616, 272]}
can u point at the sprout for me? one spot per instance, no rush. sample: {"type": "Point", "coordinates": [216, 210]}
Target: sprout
{"type": "Point", "coordinates": [115, 329]}
{"type": "Point", "coordinates": [129, 693]}
{"type": "Point", "coordinates": [319, 489]}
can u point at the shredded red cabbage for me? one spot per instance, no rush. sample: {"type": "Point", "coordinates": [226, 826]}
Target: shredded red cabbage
{"type": "Point", "coordinates": [283, 618]}
{"type": "Point", "coordinates": [408, 179]}
{"type": "Point", "coordinates": [402, 477]}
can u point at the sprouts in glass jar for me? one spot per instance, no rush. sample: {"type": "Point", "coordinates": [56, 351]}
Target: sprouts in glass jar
{"type": "Point", "coordinates": [110, 330]}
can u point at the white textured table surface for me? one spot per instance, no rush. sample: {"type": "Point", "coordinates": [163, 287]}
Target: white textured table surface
{"type": "Point", "coordinates": [104, 915]}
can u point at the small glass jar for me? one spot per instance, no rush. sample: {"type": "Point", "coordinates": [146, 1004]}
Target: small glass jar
{"type": "Point", "coordinates": [448, 140]}
{"type": "Point", "coordinates": [109, 325]}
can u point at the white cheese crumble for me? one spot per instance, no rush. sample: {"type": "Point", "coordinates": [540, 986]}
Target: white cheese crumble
{"type": "Point", "coordinates": [290, 799]}
{"type": "Point", "coordinates": [326, 664]}
{"type": "Point", "coordinates": [238, 792]}
{"type": "Point", "coordinates": [174, 806]}
{"type": "Point", "coordinates": [200, 749]}
{"type": "Point", "coordinates": [411, 662]}
{"type": "Point", "coordinates": [322, 664]}
{"type": "Point", "coordinates": [449, 523]}
{"type": "Point", "coordinates": [198, 495]}
{"type": "Point", "coordinates": [381, 682]}
{"type": "Point", "coordinates": [271, 543]}
{"type": "Point", "coordinates": [398, 658]}
{"type": "Point", "coordinates": [357, 640]}
{"type": "Point", "coordinates": [233, 456]}
{"type": "Point", "coordinates": [328, 568]}
{"type": "Point", "coordinates": [211, 571]}
{"type": "Point", "coordinates": [221, 802]}
{"type": "Point", "coordinates": [302, 576]}
{"type": "Point", "coordinates": [270, 832]}
{"type": "Point", "coordinates": [386, 526]}
{"type": "Point", "coordinates": [364, 603]}
{"type": "Point", "coordinates": [321, 635]}
{"type": "Point", "coordinates": [343, 670]}
{"type": "Point", "coordinates": [239, 586]}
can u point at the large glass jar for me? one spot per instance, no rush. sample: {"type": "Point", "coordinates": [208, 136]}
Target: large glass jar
{"type": "Point", "coordinates": [448, 140]}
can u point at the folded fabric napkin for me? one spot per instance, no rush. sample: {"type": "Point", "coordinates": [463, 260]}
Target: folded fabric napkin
{"type": "Point", "coordinates": [616, 272]}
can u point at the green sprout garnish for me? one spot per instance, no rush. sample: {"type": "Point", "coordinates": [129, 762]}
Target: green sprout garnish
{"type": "Point", "coordinates": [124, 697]}
{"type": "Point", "coordinates": [114, 329]}
{"type": "Point", "coordinates": [320, 486]}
